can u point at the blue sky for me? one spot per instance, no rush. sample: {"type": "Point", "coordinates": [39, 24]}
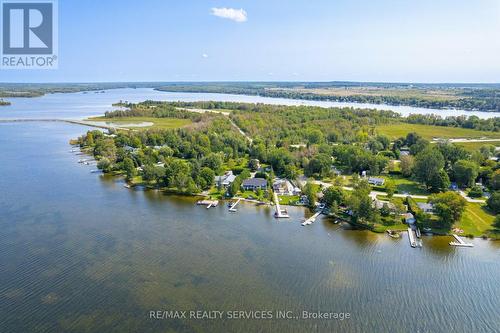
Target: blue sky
{"type": "Point", "coordinates": [293, 40]}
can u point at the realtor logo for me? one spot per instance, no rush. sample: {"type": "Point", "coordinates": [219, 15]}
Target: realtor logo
{"type": "Point", "coordinates": [29, 34]}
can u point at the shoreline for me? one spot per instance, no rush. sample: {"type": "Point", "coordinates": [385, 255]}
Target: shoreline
{"type": "Point", "coordinates": [358, 226]}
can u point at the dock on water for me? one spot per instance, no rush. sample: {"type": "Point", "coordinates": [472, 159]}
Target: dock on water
{"type": "Point", "coordinates": [460, 242]}
{"type": "Point", "coordinates": [311, 219]}
{"type": "Point", "coordinates": [208, 203]}
{"type": "Point", "coordinates": [232, 208]}
{"type": "Point", "coordinates": [280, 213]}
{"type": "Point", "coordinates": [414, 237]}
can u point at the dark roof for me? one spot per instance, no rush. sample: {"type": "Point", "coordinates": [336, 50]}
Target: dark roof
{"type": "Point", "coordinates": [255, 182]}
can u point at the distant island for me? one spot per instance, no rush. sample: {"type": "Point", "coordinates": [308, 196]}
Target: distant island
{"type": "Point", "coordinates": [4, 103]}
{"type": "Point", "coordinates": [374, 169]}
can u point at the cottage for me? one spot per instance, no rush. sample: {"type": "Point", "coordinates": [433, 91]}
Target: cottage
{"type": "Point", "coordinates": [379, 204]}
{"type": "Point", "coordinates": [225, 180]}
{"type": "Point", "coordinates": [376, 181]}
{"type": "Point", "coordinates": [425, 207]}
{"type": "Point", "coordinates": [252, 184]}
{"type": "Point", "coordinates": [283, 187]}
{"type": "Point", "coordinates": [404, 152]}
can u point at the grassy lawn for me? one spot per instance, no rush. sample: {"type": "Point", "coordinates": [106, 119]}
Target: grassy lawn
{"type": "Point", "coordinates": [398, 226]}
{"type": "Point", "coordinates": [288, 199]}
{"type": "Point", "coordinates": [251, 195]}
{"type": "Point", "coordinates": [473, 146]}
{"type": "Point", "coordinates": [163, 123]}
{"type": "Point", "coordinates": [405, 185]}
{"type": "Point", "coordinates": [428, 132]}
{"type": "Point", "coordinates": [476, 220]}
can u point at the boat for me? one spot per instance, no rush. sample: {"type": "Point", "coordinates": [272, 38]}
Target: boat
{"type": "Point", "coordinates": [393, 234]}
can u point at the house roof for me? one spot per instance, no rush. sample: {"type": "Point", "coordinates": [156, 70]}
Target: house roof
{"type": "Point", "coordinates": [255, 182]}
{"type": "Point", "coordinates": [425, 206]}
{"type": "Point", "coordinates": [376, 180]}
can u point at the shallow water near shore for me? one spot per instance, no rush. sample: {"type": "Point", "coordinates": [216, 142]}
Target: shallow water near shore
{"type": "Point", "coordinates": [81, 253]}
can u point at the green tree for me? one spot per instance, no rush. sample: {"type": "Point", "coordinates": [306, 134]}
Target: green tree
{"type": "Point", "coordinates": [310, 193]}
{"type": "Point", "coordinates": [494, 202]}
{"type": "Point", "coordinates": [208, 175]}
{"type": "Point", "coordinates": [496, 223]}
{"type": "Point", "coordinates": [465, 172]}
{"type": "Point", "coordinates": [149, 173]}
{"type": "Point", "coordinates": [320, 165]}
{"type": "Point", "coordinates": [213, 161]}
{"type": "Point", "coordinates": [428, 164]}
{"type": "Point", "coordinates": [333, 195]}
{"type": "Point", "coordinates": [104, 164]}
{"type": "Point", "coordinates": [390, 188]}
{"type": "Point", "coordinates": [129, 168]}
{"type": "Point", "coordinates": [407, 164]}
{"type": "Point", "coordinates": [314, 136]}
{"type": "Point", "coordinates": [90, 139]}
{"type": "Point", "coordinates": [448, 206]}
{"type": "Point", "coordinates": [439, 182]}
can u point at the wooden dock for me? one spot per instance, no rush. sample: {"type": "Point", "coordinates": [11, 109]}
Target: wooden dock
{"type": "Point", "coordinates": [311, 220]}
{"type": "Point", "coordinates": [280, 213]}
{"type": "Point", "coordinates": [232, 208]}
{"type": "Point", "coordinates": [208, 203]}
{"type": "Point", "coordinates": [460, 242]}
{"type": "Point", "coordinates": [412, 237]}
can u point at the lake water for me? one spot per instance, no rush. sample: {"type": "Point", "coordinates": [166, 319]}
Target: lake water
{"type": "Point", "coordinates": [81, 253]}
{"type": "Point", "coordinates": [81, 105]}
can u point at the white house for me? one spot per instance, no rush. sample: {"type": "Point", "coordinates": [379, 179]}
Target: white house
{"type": "Point", "coordinates": [376, 181]}
{"type": "Point", "coordinates": [283, 187]}
{"type": "Point", "coordinates": [425, 207]}
{"type": "Point", "coordinates": [225, 180]}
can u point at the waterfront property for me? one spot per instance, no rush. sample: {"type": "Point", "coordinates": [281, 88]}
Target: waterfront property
{"type": "Point", "coordinates": [225, 180]}
{"type": "Point", "coordinates": [253, 184]}
{"type": "Point", "coordinates": [285, 187]}
{"type": "Point", "coordinates": [376, 181]}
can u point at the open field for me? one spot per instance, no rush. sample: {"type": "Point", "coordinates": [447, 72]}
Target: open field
{"type": "Point", "coordinates": [476, 220]}
{"type": "Point", "coordinates": [472, 146]}
{"type": "Point", "coordinates": [429, 132]}
{"type": "Point", "coordinates": [163, 123]}
{"type": "Point", "coordinates": [429, 94]}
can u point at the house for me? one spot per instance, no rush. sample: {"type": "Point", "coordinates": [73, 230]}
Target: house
{"type": "Point", "coordinates": [336, 171]}
{"type": "Point", "coordinates": [225, 180]}
{"type": "Point", "coordinates": [425, 207]}
{"type": "Point", "coordinates": [283, 187]}
{"type": "Point", "coordinates": [376, 181]}
{"type": "Point", "coordinates": [404, 152]}
{"type": "Point", "coordinates": [409, 218]}
{"type": "Point", "coordinates": [252, 184]}
{"type": "Point", "coordinates": [379, 204]}
{"type": "Point", "coordinates": [130, 149]}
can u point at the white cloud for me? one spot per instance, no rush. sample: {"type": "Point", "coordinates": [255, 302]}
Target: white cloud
{"type": "Point", "coordinates": [204, 55]}
{"type": "Point", "coordinates": [237, 15]}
